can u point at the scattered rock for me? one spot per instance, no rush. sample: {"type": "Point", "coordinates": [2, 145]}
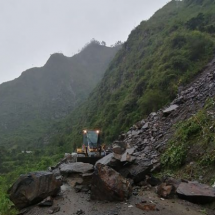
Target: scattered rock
{"type": "Point", "coordinates": [54, 210]}
{"type": "Point", "coordinates": [138, 125]}
{"type": "Point", "coordinates": [164, 190]}
{"type": "Point", "coordinates": [24, 211]}
{"type": "Point", "coordinates": [46, 202]}
{"type": "Point", "coordinates": [196, 192]}
{"type": "Point", "coordinates": [119, 147]}
{"type": "Point", "coordinates": [87, 178]}
{"type": "Point", "coordinates": [32, 188]}
{"type": "Point", "coordinates": [126, 156]}
{"type": "Point", "coordinates": [153, 181]}
{"type": "Point", "coordinates": [79, 212]}
{"type": "Point", "coordinates": [146, 207]}
{"type": "Point", "coordinates": [135, 193]}
{"type": "Point", "coordinates": [145, 126]}
{"type": "Point", "coordinates": [143, 201]}
{"type": "Point", "coordinates": [74, 180]}
{"type": "Point", "coordinates": [107, 184]}
{"type": "Point", "coordinates": [140, 169]}
{"type": "Point", "coordinates": [110, 161]}
{"type": "Point", "coordinates": [170, 109]}
{"type": "Point", "coordinates": [78, 188]}
{"type": "Point", "coordinates": [174, 182]}
{"type": "Point", "coordinates": [56, 172]}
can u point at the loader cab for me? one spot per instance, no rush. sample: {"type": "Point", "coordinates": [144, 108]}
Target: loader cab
{"type": "Point", "coordinates": [92, 150]}
{"type": "Point", "coordinates": [91, 139]}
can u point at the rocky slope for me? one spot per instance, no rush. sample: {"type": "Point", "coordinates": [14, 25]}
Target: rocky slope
{"type": "Point", "coordinates": [151, 135]}
{"type": "Point", "coordinates": [41, 96]}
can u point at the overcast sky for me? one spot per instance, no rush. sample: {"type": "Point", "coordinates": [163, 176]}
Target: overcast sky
{"type": "Point", "coordinates": [31, 30]}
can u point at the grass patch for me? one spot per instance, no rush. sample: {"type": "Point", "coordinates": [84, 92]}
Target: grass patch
{"type": "Point", "coordinates": [191, 151]}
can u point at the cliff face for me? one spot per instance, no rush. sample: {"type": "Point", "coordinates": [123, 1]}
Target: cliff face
{"type": "Point", "coordinates": [40, 96]}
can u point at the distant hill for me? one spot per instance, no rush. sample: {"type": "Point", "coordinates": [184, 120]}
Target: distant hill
{"type": "Point", "coordinates": [40, 96]}
{"type": "Point", "coordinates": [161, 55]}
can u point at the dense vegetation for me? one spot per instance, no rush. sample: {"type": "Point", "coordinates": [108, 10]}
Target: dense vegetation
{"type": "Point", "coordinates": [160, 55]}
{"type": "Point", "coordinates": [42, 96]}
{"type": "Point", "coordinates": [191, 151]}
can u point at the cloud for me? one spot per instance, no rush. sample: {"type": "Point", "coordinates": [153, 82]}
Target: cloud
{"type": "Point", "coordinates": [32, 30]}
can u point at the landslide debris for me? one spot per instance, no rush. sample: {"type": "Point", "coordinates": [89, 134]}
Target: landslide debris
{"type": "Point", "coordinates": [34, 187]}
{"type": "Point", "coordinates": [107, 184]}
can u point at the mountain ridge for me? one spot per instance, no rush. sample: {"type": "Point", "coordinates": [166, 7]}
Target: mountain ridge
{"type": "Point", "coordinates": [50, 92]}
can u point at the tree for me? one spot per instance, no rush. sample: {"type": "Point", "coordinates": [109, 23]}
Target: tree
{"type": "Point", "coordinates": [103, 43]}
{"type": "Point", "coordinates": [118, 43]}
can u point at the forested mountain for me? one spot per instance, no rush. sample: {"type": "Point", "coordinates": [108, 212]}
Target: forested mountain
{"type": "Point", "coordinates": [160, 56]}
{"type": "Point", "coordinates": [41, 96]}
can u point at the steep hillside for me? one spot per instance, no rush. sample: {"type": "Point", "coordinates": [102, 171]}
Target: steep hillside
{"type": "Point", "coordinates": [40, 96]}
{"type": "Point", "coordinates": [160, 56]}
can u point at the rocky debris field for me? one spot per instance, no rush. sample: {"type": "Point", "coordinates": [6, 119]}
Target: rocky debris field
{"type": "Point", "coordinates": [146, 202]}
{"type": "Point", "coordinates": [122, 182]}
{"type": "Point", "coordinates": [82, 188]}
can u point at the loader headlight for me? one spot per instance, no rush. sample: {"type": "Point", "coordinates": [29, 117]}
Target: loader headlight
{"type": "Point", "coordinates": [97, 131]}
{"type": "Point", "coordinates": [85, 131]}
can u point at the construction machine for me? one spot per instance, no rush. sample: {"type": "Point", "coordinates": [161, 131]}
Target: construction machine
{"type": "Point", "coordinates": [92, 149]}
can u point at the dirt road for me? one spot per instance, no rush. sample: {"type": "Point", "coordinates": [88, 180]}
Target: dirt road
{"type": "Point", "coordinates": [71, 203]}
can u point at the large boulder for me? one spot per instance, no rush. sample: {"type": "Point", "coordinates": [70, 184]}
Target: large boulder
{"type": "Point", "coordinates": [139, 169]}
{"type": "Point", "coordinates": [111, 161]}
{"type": "Point", "coordinates": [119, 147]}
{"type": "Point", "coordinates": [117, 160]}
{"type": "Point", "coordinates": [107, 184]}
{"type": "Point", "coordinates": [32, 188]}
{"type": "Point", "coordinates": [73, 168]}
{"type": "Point", "coordinates": [196, 192]}
{"type": "Point", "coordinates": [126, 156]}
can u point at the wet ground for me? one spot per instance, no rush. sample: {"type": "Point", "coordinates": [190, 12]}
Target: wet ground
{"type": "Point", "coordinates": [71, 203]}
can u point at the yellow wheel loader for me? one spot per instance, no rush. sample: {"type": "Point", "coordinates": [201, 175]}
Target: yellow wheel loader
{"type": "Point", "coordinates": [92, 149]}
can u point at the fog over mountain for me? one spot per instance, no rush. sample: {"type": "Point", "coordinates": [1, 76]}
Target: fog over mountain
{"type": "Point", "coordinates": [32, 30]}
{"type": "Point", "coordinates": [43, 95]}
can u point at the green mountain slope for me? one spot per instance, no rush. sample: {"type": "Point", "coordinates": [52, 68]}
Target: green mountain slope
{"type": "Point", "coordinates": [40, 96]}
{"type": "Point", "coordinates": [160, 56]}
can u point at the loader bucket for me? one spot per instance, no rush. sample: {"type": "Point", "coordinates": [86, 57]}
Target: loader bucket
{"type": "Point", "coordinates": [91, 160]}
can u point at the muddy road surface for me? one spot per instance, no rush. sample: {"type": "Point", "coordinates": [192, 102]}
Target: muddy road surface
{"type": "Point", "coordinates": [70, 203]}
